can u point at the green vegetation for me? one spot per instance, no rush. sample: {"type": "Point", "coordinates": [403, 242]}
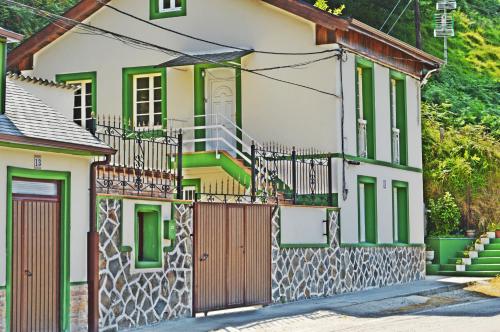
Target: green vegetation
{"type": "Point", "coordinates": [444, 216]}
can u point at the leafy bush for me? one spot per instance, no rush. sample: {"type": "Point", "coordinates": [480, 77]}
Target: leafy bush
{"type": "Point", "coordinates": [444, 216]}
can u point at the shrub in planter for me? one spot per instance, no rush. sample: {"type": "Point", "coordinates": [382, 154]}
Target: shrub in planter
{"type": "Point", "coordinates": [460, 266]}
{"type": "Point", "coordinates": [444, 216]}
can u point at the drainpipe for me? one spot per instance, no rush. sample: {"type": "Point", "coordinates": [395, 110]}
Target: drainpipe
{"type": "Point", "coordinates": [93, 251]}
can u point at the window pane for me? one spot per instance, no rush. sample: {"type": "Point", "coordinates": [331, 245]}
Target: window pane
{"type": "Point", "coordinates": [88, 124]}
{"type": "Point", "coordinates": [178, 3]}
{"type": "Point", "coordinates": [158, 107]}
{"type": "Point", "coordinates": [78, 122]}
{"type": "Point", "coordinates": [88, 112]}
{"type": "Point", "coordinates": [143, 95]}
{"type": "Point", "coordinates": [88, 87]}
{"type": "Point", "coordinates": [166, 4]}
{"type": "Point", "coordinates": [143, 121]}
{"type": "Point", "coordinates": [77, 113]}
{"type": "Point", "coordinates": [79, 91]}
{"type": "Point", "coordinates": [157, 94]}
{"type": "Point", "coordinates": [78, 101]}
{"type": "Point", "coordinates": [88, 100]}
{"type": "Point", "coordinates": [143, 83]}
{"type": "Point", "coordinates": [34, 188]}
{"type": "Point", "coordinates": [143, 108]}
{"type": "Point", "coordinates": [157, 120]}
{"type": "Point", "coordinates": [157, 81]}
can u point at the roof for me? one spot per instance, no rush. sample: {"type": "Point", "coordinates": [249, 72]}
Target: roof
{"type": "Point", "coordinates": [349, 33]}
{"type": "Point", "coordinates": [28, 121]}
{"type": "Point", "coordinates": [11, 36]}
{"type": "Point", "coordinates": [40, 81]}
{"type": "Point", "coordinates": [194, 59]}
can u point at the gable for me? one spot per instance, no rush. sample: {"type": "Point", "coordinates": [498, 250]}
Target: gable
{"type": "Point", "coordinates": [351, 34]}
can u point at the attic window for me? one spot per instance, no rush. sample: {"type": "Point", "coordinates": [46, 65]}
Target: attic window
{"type": "Point", "coordinates": [167, 8]}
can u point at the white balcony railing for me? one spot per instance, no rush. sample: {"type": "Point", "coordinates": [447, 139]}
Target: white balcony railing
{"type": "Point", "coordinates": [396, 153]}
{"type": "Point", "coordinates": [362, 139]}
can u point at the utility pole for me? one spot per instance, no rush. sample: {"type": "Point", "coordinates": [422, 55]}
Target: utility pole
{"type": "Point", "coordinates": [418, 32]}
{"type": "Point", "coordinates": [443, 23]}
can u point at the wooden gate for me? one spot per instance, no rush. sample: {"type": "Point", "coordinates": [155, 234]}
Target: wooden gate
{"type": "Point", "coordinates": [232, 256]}
{"type": "Point", "coordinates": [35, 262]}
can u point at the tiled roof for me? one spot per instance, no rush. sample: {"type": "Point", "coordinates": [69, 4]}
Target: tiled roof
{"type": "Point", "coordinates": [40, 81]}
{"type": "Point", "coordinates": [27, 117]}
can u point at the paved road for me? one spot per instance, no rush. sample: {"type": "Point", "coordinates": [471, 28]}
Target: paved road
{"type": "Point", "coordinates": [423, 306]}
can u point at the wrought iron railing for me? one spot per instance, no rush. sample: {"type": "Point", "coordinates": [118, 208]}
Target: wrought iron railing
{"type": "Point", "coordinates": [147, 162]}
{"type": "Point", "coordinates": [396, 154]}
{"type": "Point", "coordinates": [362, 139]}
{"type": "Point", "coordinates": [298, 177]}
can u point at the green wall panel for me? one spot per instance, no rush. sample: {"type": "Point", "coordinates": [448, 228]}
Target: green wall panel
{"type": "Point", "coordinates": [446, 248]}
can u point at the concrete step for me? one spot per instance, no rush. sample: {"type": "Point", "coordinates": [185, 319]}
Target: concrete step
{"type": "Point", "coordinates": [484, 267]}
{"type": "Point", "coordinates": [448, 267]}
{"type": "Point", "coordinates": [490, 253]}
{"type": "Point", "coordinates": [494, 246]}
{"type": "Point", "coordinates": [469, 273]}
{"type": "Point", "coordinates": [486, 260]}
{"type": "Point", "coordinates": [497, 240]}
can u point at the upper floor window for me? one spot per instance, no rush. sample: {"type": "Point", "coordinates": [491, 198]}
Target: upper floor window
{"type": "Point", "coordinates": [167, 8]}
{"type": "Point", "coordinates": [365, 110]}
{"type": "Point", "coordinates": [85, 97]}
{"type": "Point", "coordinates": [148, 101]}
{"type": "Point", "coordinates": [399, 134]}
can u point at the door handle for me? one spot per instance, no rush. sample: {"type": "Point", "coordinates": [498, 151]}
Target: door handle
{"type": "Point", "coordinates": [28, 273]}
{"type": "Point", "coordinates": [204, 257]}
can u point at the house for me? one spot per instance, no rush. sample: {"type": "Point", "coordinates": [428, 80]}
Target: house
{"type": "Point", "coordinates": [45, 160]}
{"type": "Point", "coordinates": [244, 101]}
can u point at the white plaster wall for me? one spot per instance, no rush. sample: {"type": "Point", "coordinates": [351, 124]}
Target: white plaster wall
{"type": "Point", "coordinates": [414, 122]}
{"type": "Point", "coordinates": [350, 121]}
{"type": "Point", "coordinates": [302, 225]}
{"type": "Point", "coordinates": [382, 113]}
{"type": "Point", "coordinates": [59, 99]}
{"type": "Point", "coordinates": [270, 109]}
{"type": "Point", "coordinates": [385, 176]}
{"type": "Point", "coordinates": [79, 168]}
{"type": "Point", "coordinates": [128, 228]}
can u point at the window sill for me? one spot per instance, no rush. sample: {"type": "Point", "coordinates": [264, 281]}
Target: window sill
{"type": "Point", "coordinates": [380, 245]}
{"type": "Point", "coordinates": [304, 246]}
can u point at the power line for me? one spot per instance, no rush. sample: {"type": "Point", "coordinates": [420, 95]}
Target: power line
{"type": "Point", "coordinates": [208, 41]}
{"type": "Point", "coordinates": [390, 14]}
{"type": "Point", "coordinates": [149, 46]}
{"type": "Point", "coordinates": [397, 20]}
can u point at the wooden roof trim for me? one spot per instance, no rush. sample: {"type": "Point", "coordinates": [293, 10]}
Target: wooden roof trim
{"type": "Point", "coordinates": [310, 13]}
{"type": "Point", "coordinates": [11, 36]}
{"type": "Point", "coordinates": [45, 143]}
{"type": "Point", "coordinates": [21, 58]}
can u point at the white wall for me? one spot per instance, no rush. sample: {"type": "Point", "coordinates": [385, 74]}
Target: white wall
{"type": "Point", "coordinates": [302, 225]}
{"type": "Point", "coordinates": [385, 176]}
{"type": "Point", "coordinates": [79, 168]}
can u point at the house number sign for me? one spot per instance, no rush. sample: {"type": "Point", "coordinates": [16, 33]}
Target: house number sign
{"type": "Point", "coordinates": [37, 162]}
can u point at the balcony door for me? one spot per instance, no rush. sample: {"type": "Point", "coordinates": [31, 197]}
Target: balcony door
{"type": "Point", "coordinates": [220, 108]}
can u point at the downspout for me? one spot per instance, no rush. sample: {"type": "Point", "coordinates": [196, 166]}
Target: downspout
{"type": "Point", "coordinates": [93, 251]}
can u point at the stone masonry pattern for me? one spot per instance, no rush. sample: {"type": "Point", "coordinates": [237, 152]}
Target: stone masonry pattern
{"type": "Point", "coordinates": [79, 306]}
{"type": "Point", "coordinates": [133, 300]}
{"type": "Point", "coordinates": [307, 273]}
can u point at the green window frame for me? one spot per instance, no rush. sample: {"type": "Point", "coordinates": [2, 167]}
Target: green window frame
{"type": "Point", "coordinates": [155, 12]}
{"type": "Point", "coordinates": [128, 75]}
{"type": "Point", "coordinates": [399, 108]}
{"type": "Point", "coordinates": [148, 225]}
{"type": "Point", "coordinates": [400, 212]}
{"type": "Point", "coordinates": [367, 208]}
{"type": "Point", "coordinates": [3, 79]}
{"type": "Point", "coordinates": [365, 104]}
{"type": "Point", "coordinates": [82, 78]}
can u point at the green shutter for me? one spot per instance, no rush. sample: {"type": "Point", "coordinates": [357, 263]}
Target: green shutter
{"type": "Point", "coordinates": [148, 236]}
{"type": "Point", "coordinates": [401, 115]}
{"type": "Point", "coordinates": [370, 206]}
{"type": "Point", "coordinates": [402, 217]}
{"type": "Point", "coordinates": [368, 104]}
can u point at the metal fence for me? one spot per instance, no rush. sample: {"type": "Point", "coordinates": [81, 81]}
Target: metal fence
{"type": "Point", "coordinates": [148, 162]}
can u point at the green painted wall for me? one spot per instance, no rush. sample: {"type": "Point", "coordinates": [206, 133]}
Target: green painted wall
{"type": "Point", "coordinates": [446, 248]}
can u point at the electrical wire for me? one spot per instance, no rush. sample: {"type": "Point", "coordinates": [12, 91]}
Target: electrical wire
{"type": "Point", "coordinates": [205, 40]}
{"type": "Point", "coordinates": [149, 46]}
{"type": "Point", "coordinates": [397, 20]}
{"type": "Point", "coordinates": [390, 14]}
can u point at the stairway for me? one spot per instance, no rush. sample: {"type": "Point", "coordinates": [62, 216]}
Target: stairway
{"type": "Point", "coordinates": [486, 265]}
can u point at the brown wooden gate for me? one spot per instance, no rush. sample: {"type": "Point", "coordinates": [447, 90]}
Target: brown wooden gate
{"type": "Point", "coordinates": [232, 256]}
{"type": "Point", "coordinates": [35, 263]}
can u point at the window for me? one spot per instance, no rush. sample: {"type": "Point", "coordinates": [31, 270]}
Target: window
{"type": "Point", "coordinates": [367, 209]}
{"type": "Point", "coordinates": [167, 8]}
{"type": "Point", "coordinates": [148, 236]}
{"type": "Point", "coordinates": [148, 101]}
{"type": "Point", "coordinates": [189, 193]}
{"type": "Point", "coordinates": [85, 98]}
{"type": "Point", "coordinates": [365, 109]}
{"type": "Point", "coordinates": [399, 137]}
{"type": "Point", "coordinates": [400, 212]}
{"type": "Point", "coordinates": [145, 97]}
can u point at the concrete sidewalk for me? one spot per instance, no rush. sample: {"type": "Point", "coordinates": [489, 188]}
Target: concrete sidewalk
{"type": "Point", "coordinates": [351, 303]}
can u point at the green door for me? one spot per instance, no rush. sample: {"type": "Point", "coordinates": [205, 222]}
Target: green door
{"type": "Point", "coordinates": [400, 213]}
{"type": "Point", "coordinates": [367, 208]}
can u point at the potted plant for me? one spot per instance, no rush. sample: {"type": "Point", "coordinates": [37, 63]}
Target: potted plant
{"type": "Point", "coordinates": [472, 252]}
{"type": "Point", "coordinates": [460, 266]}
{"type": "Point", "coordinates": [485, 239]}
{"type": "Point", "coordinates": [492, 227]}
{"type": "Point", "coordinates": [429, 254]}
{"type": "Point", "coordinates": [478, 245]}
{"type": "Point", "coordinates": [466, 260]}
{"type": "Point", "coordinates": [470, 233]}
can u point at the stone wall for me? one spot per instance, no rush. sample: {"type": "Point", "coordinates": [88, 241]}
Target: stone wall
{"type": "Point", "coordinates": [79, 307]}
{"type": "Point", "coordinates": [3, 305]}
{"type": "Point", "coordinates": [306, 273]}
{"type": "Point", "coordinates": [133, 300]}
